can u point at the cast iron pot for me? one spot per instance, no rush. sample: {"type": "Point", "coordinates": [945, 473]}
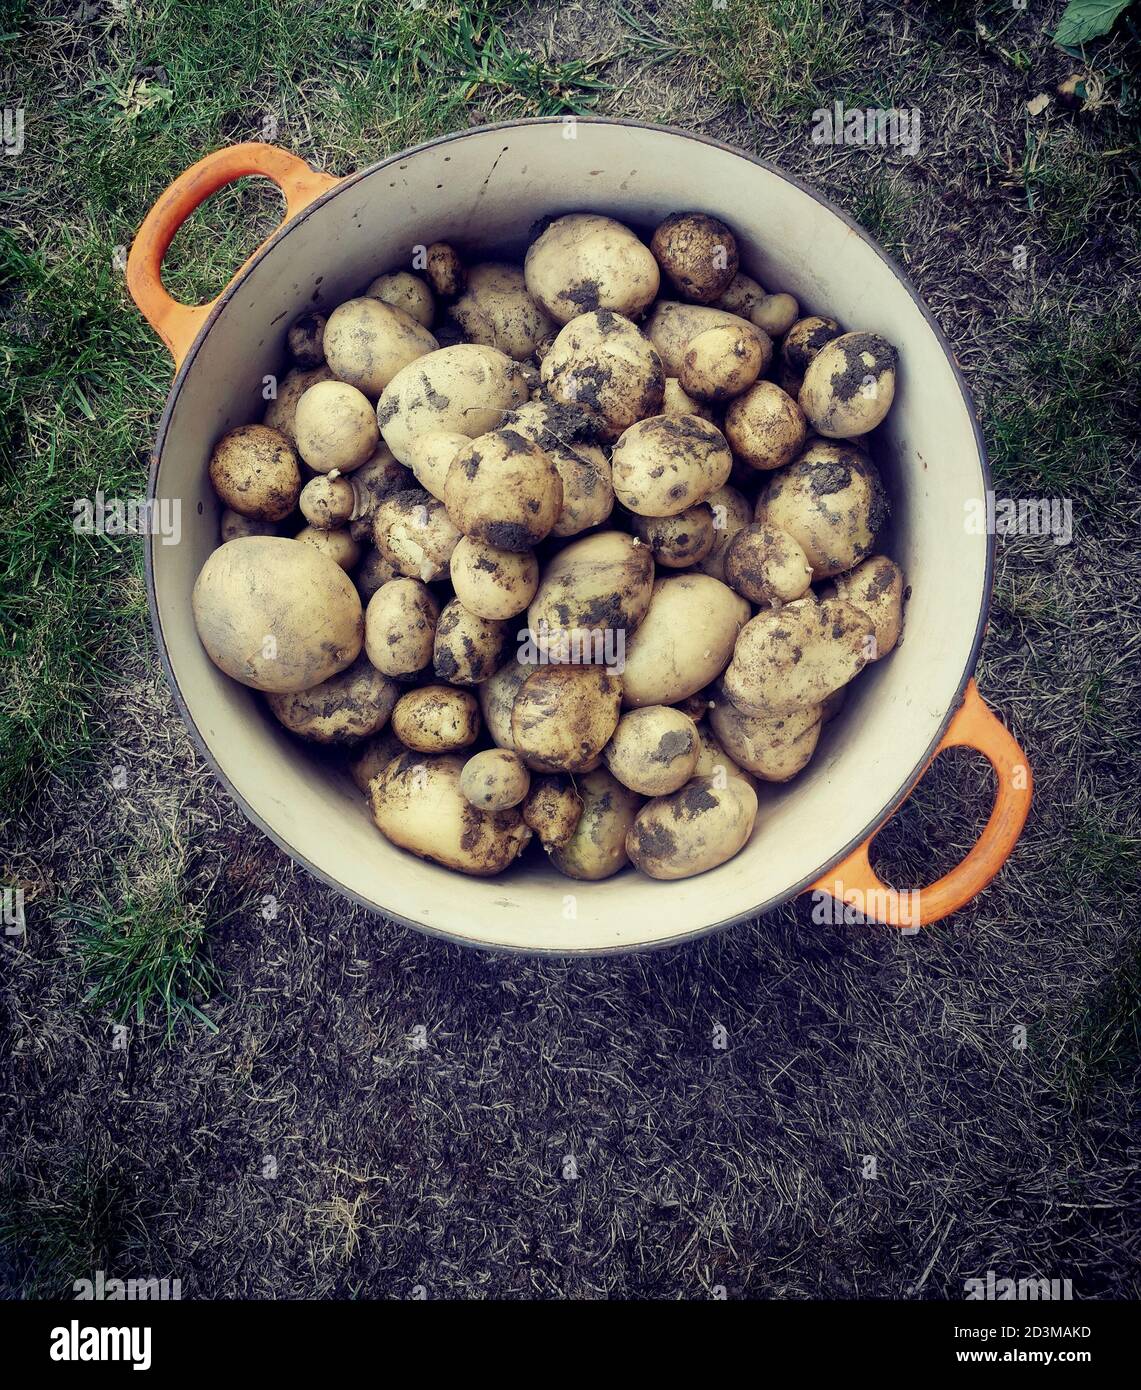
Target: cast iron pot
{"type": "Point", "coordinates": [484, 190]}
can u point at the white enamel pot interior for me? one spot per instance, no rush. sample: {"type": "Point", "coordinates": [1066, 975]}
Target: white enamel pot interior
{"type": "Point", "coordinates": [484, 190]}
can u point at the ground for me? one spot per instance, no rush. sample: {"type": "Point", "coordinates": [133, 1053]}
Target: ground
{"type": "Point", "coordinates": [319, 1103]}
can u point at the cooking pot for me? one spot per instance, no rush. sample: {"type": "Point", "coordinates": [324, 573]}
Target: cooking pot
{"type": "Point", "coordinates": [484, 190]}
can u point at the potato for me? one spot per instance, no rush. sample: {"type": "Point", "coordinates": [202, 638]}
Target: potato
{"type": "Point", "coordinates": [327, 501]}
{"type": "Point", "coordinates": [681, 540]}
{"type": "Point", "coordinates": [831, 501]}
{"type": "Point", "coordinates": [675, 401]}
{"type": "Point", "coordinates": [594, 592]}
{"type": "Point", "coordinates": [380, 478]}
{"type": "Point", "coordinates": [337, 544]}
{"type": "Point", "coordinates": [797, 656]}
{"type": "Point", "coordinates": [464, 389]}
{"type": "Point", "coordinates": [774, 749]}
{"type": "Point", "coordinates": [305, 340]}
{"type": "Point", "coordinates": [552, 809]}
{"type": "Point", "coordinates": [373, 756]}
{"type": "Point", "coordinates": [803, 341]}
{"type": "Point", "coordinates": [275, 614]}
{"type": "Point", "coordinates": [597, 848]}
{"type": "Point", "coordinates": [876, 588]}
{"type": "Point", "coordinates": [694, 830]}
{"type": "Point", "coordinates": [416, 803]}
{"type": "Point", "coordinates": [373, 571]}
{"type": "Point", "coordinates": [280, 413]}
{"type": "Point", "coordinates": [742, 296]}
{"type": "Point", "coordinates": [653, 750]}
{"type": "Point", "coordinates": [731, 510]}
{"type": "Point", "coordinates": [765, 427]}
{"type": "Point", "coordinates": [413, 530]}
{"type": "Point", "coordinates": [367, 342]}
{"type": "Point", "coordinates": [497, 310]}
{"type": "Point", "coordinates": [672, 327]}
{"type": "Point", "coordinates": [585, 262]}
{"type": "Point", "coordinates": [775, 313]}
{"type": "Point", "coordinates": [685, 640]}
{"type": "Point", "coordinates": [767, 566]}
{"type": "Point", "coordinates": [348, 706]}
{"type": "Point", "coordinates": [335, 427]}
{"type": "Point", "coordinates": [565, 434]}
{"type": "Point", "coordinates": [405, 291]}
{"type": "Point", "coordinates": [255, 472]}
{"type": "Point", "coordinates": [467, 647]}
{"type": "Point", "coordinates": [400, 627]}
{"type": "Point", "coordinates": [601, 361]}
{"type": "Point", "coordinates": [431, 456]}
{"type": "Point", "coordinates": [493, 583]}
{"type": "Point", "coordinates": [712, 759]}
{"type": "Point", "coordinates": [849, 385]}
{"type": "Point", "coordinates": [234, 524]}
{"type": "Point", "coordinates": [698, 254]}
{"type": "Point", "coordinates": [497, 698]}
{"type": "Point", "coordinates": [494, 780]}
{"type": "Point", "coordinates": [668, 463]}
{"type": "Point", "coordinates": [436, 719]}
{"type": "Point", "coordinates": [504, 490]}
{"type": "Point", "coordinates": [563, 717]}
{"type": "Point", "coordinates": [444, 270]}
{"type": "Point", "coordinates": [722, 362]}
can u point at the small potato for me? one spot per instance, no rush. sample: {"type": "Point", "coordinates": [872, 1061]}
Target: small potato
{"type": "Point", "coordinates": [255, 472]}
{"type": "Point", "coordinates": [775, 313]}
{"type": "Point", "coordinates": [504, 490]}
{"type": "Point", "coordinates": [436, 719]}
{"type": "Point", "coordinates": [731, 510]}
{"type": "Point", "coordinates": [400, 627]}
{"type": "Point", "coordinates": [565, 433]}
{"type": "Point", "coordinates": [654, 750]}
{"type": "Point", "coordinates": [681, 540]}
{"type": "Point", "coordinates": [367, 342]}
{"type": "Point", "coordinates": [797, 656]}
{"type": "Point", "coordinates": [685, 641]}
{"type": "Point", "coordinates": [585, 262]}
{"type": "Point", "coordinates": [280, 413]}
{"type": "Point", "coordinates": [493, 583]}
{"type": "Point", "coordinates": [405, 291]}
{"type": "Point", "coordinates": [742, 296]}
{"type": "Point", "coordinates": [413, 531]}
{"type": "Point", "coordinates": [373, 756]}
{"type": "Point", "coordinates": [669, 463]}
{"type": "Point", "coordinates": [350, 705]}
{"type": "Point", "coordinates": [234, 524]}
{"type": "Point", "coordinates": [416, 803]}
{"type": "Point", "coordinates": [597, 848]}
{"type": "Point", "coordinates": [603, 362]}
{"type": "Point", "coordinates": [712, 759]}
{"type": "Point", "coordinates": [849, 385]}
{"type": "Point", "coordinates": [675, 401]}
{"type": "Point", "coordinates": [467, 648]}
{"type": "Point", "coordinates": [335, 427]}
{"type": "Point", "coordinates": [497, 699]}
{"type": "Point", "coordinates": [672, 327]}
{"type": "Point", "coordinates": [494, 780]}
{"type": "Point", "coordinates": [803, 341]}
{"type": "Point", "coordinates": [552, 809]}
{"type": "Point", "coordinates": [431, 456]}
{"type": "Point", "coordinates": [444, 270]}
{"type": "Point", "coordinates": [373, 571]}
{"type": "Point", "coordinates": [380, 478]}
{"type": "Point", "coordinates": [337, 544]}
{"type": "Point", "coordinates": [765, 427]}
{"type": "Point", "coordinates": [698, 254]}
{"type": "Point", "coordinates": [327, 501]}
{"type": "Point", "coordinates": [306, 340]}
{"type": "Point", "coordinates": [767, 566]}
{"type": "Point", "coordinates": [563, 717]}
{"type": "Point", "coordinates": [592, 591]}
{"type": "Point", "coordinates": [694, 830]}
{"type": "Point", "coordinates": [497, 310]}
{"type": "Point", "coordinates": [722, 362]}
{"type": "Point", "coordinates": [876, 588]}
{"type": "Point", "coordinates": [831, 501]}
{"type": "Point", "coordinates": [774, 749]}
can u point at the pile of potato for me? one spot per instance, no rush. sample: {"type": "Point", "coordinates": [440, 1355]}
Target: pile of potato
{"type": "Point", "coordinates": [575, 551]}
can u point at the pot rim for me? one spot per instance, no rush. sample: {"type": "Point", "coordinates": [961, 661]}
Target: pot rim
{"type": "Point", "coordinates": [872, 826]}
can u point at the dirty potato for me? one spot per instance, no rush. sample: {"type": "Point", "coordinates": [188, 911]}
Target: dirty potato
{"type": "Point", "coordinates": [495, 780]}
{"type": "Point", "coordinates": [681, 540]}
{"type": "Point", "coordinates": [731, 510]}
{"type": "Point", "coordinates": [802, 342]}
{"type": "Point", "coordinates": [668, 463]}
{"type": "Point", "coordinates": [603, 362]}
{"type": "Point", "coordinates": [327, 501]}
{"type": "Point", "coordinates": [373, 756]}
{"type": "Point", "coordinates": [765, 427]}
{"type": "Point", "coordinates": [431, 456]}
{"type": "Point", "coordinates": [413, 531]}
{"type": "Point", "coordinates": [722, 362]}
{"type": "Point", "coordinates": [255, 472]}
{"type": "Point", "coordinates": [400, 627]}
{"type": "Point", "coordinates": [467, 647]}
{"type": "Point", "coordinates": [406, 291]}
{"type": "Point", "coordinates": [773, 748]}
{"type": "Point", "coordinates": [849, 385]}
{"type": "Point", "coordinates": [675, 401]}
{"type": "Point", "coordinates": [767, 566]}
{"type": "Point", "coordinates": [337, 544]}
{"type": "Point", "coordinates": [685, 640]}
{"type": "Point", "coordinates": [552, 810]}
{"type": "Point", "coordinates": [593, 590]}
{"type": "Point", "coordinates": [797, 656]}
{"type": "Point", "coordinates": [335, 427]}
{"type": "Point", "coordinates": [504, 489]}
{"type": "Point", "coordinates": [712, 758]}
{"type": "Point", "coordinates": [585, 262]}
{"type": "Point", "coordinates": [444, 270]}
{"type": "Point", "coordinates": [497, 699]}
{"type": "Point", "coordinates": [306, 340]}
{"type": "Point", "coordinates": [436, 719]}
{"type": "Point", "coordinates": [876, 588]}
{"type": "Point", "coordinates": [280, 413]}
{"type": "Point", "coordinates": [694, 830]}
{"type": "Point", "coordinates": [698, 254]}
{"type": "Point", "coordinates": [376, 479]}
{"type": "Point", "coordinates": [351, 705]}
{"type": "Point", "coordinates": [653, 750]}
{"type": "Point", "coordinates": [367, 342]}
{"type": "Point", "coordinates": [497, 310]}
{"type": "Point", "coordinates": [597, 848]}
{"type": "Point", "coordinates": [372, 572]}
{"type": "Point", "coordinates": [563, 717]}
{"type": "Point", "coordinates": [493, 583]}
{"type": "Point", "coordinates": [566, 435]}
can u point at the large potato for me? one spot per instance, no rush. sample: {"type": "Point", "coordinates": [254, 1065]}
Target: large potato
{"type": "Point", "coordinates": [281, 412]}
{"type": "Point", "coordinates": [672, 327]}
{"type": "Point", "coordinates": [563, 717]}
{"type": "Point", "coordinates": [497, 311]}
{"type": "Point", "coordinates": [493, 583]}
{"type": "Point", "coordinates": [685, 641]}
{"type": "Point", "coordinates": [653, 750]}
{"type": "Point", "coordinates": [413, 531]}
{"type": "Point", "coordinates": [335, 427]}
{"type": "Point", "coordinates": [351, 705]}
{"type": "Point", "coordinates": [400, 627]}
{"type": "Point", "coordinates": [464, 389]}
{"type": "Point", "coordinates": [597, 848]}
{"type": "Point", "coordinates": [417, 804]}
{"type": "Point", "coordinates": [698, 254]}
{"type": "Point", "coordinates": [765, 426]}
{"type": "Point", "coordinates": [436, 719]}
{"type": "Point", "coordinates": [275, 614]}
{"type": "Point", "coordinates": [775, 748]}
{"type": "Point", "coordinates": [468, 647]}
{"type": "Point", "coordinates": [565, 434]}
{"type": "Point", "coordinates": [504, 490]}
{"type": "Point", "coordinates": [849, 385]}
{"type": "Point", "coordinates": [584, 262]}
{"type": "Point", "coordinates": [592, 591]}
{"type": "Point", "coordinates": [669, 463]}
{"type": "Point", "coordinates": [876, 588]}
{"type": "Point", "coordinates": [367, 342]}
{"type": "Point", "coordinates": [603, 362]}
{"type": "Point", "coordinates": [694, 830]}
{"type": "Point", "coordinates": [798, 655]}
{"type": "Point", "coordinates": [254, 470]}
{"type": "Point", "coordinates": [832, 502]}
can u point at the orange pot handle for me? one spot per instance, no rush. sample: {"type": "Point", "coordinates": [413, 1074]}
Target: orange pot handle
{"type": "Point", "coordinates": [178, 324]}
{"type": "Point", "coordinates": [855, 882]}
